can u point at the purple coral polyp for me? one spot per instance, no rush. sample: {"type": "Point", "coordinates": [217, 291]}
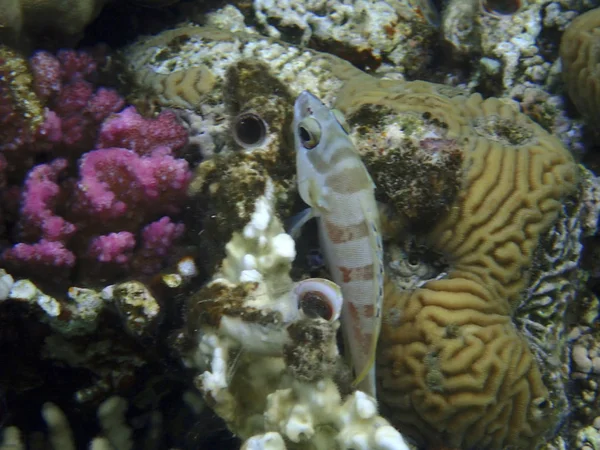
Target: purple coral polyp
{"type": "Point", "coordinates": [39, 200]}
{"type": "Point", "coordinates": [130, 130]}
{"type": "Point", "coordinates": [43, 255]}
{"type": "Point", "coordinates": [113, 183]}
{"type": "Point", "coordinates": [113, 248]}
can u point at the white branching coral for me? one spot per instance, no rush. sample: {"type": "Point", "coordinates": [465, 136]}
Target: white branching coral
{"type": "Point", "coordinates": [116, 434]}
{"type": "Point", "coordinates": [268, 367]}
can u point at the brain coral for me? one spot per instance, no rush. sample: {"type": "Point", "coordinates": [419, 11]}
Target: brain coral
{"type": "Point", "coordinates": [452, 367]}
{"type": "Point", "coordinates": [581, 63]}
{"type": "Point", "coordinates": [185, 67]}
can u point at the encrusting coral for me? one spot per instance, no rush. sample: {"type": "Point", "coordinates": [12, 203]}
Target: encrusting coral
{"type": "Point", "coordinates": [416, 166]}
{"type": "Point", "coordinates": [369, 34]}
{"type": "Point", "coordinates": [581, 64]}
{"type": "Point", "coordinates": [258, 107]}
{"type": "Point", "coordinates": [452, 367]}
{"type": "Point", "coordinates": [186, 66]}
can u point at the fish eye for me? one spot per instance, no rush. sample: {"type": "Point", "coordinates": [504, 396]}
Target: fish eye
{"type": "Point", "coordinates": [249, 130]}
{"type": "Point", "coordinates": [309, 132]}
{"type": "Point", "coordinates": [314, 304]}
{"type": "Point", "coordinates": [341, 119]}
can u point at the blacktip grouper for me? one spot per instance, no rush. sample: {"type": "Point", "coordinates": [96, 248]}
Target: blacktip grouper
{"type": "Point", "coordinates": [334, 182]}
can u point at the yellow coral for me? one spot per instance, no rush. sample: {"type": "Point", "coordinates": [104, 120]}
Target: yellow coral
{"type": "Point", "coordinates": [581, 63]}
{"type": "Point", "coordinates": [19, 88]}
{"type": "Point", "coordinates": [452, 367]}
{"type": "Point", "coordinates": [182, 88]}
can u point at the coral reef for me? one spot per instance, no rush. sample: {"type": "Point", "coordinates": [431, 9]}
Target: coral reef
{"type": "Point", "coordinates": [107, 337]}
{"type": "Point", "coordinates": [417, 168]}
{"type": "Point", "coordinates": [514, 45]}
{"type": "Point", "coordinates": [240, 88]}
{"type": "Point", "coordinates": [132, 237]}
{"type": "Point", "coordinates": [242, 328]}
{"type": "Point", "coordinates": [51, 104]}
{"type": "Point", "coordinates": [258, 105]}
{"type": "Point", "coordinates": [453, 337]}
{"type": "Point", "coordinates": [427, 147]}
{"type": "Point", "coordinates": [21, 112]}
{"type": "Point", "coordinates": [90, 195]}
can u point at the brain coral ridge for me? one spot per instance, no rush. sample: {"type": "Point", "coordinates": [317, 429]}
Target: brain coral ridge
{"type": "Point", "coordinates": [452, 367]}
{"type": "Point", "coordinates": [185, 67]}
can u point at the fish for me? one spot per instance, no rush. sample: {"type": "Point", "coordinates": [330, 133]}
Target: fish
{"type": "Point", "coordinates": [334, 182]}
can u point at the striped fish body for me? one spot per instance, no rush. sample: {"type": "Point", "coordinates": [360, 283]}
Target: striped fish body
{"type": "Point", "coordinates": [333, 180]}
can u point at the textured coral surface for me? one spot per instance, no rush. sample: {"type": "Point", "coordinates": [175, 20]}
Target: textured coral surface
{"type": "Point", "coordinates": [182, 67]}
{"type": "Point", "coordinates": [579, 54]}
{"type": "Point", "coordinates": [452, 367]}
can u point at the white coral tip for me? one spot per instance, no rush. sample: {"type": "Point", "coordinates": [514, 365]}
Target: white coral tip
{"type": "Point", "coordinates": [300, 426]}
{"type": "Point", "coordinates": [359, 441]}
{"type": "Point", "coordinates": [267, 441]}
{"type": "Point", "coordinates": [187, 267]}
{"type": "Point", "coordinates": [366, 408]}
{"type": "Point", "coordinates": [250, 276]}
{"type": "Point", "coordinates": [285, 246]}
{"type": "Point", "coordinates": [388, 438]}
{"type": "Point", "coordinates": [249, 262]}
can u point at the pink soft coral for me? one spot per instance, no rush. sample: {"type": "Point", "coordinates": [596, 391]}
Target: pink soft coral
{"type": "Point", "coordinates": [40, 198]}
{"type": "Point", "coordinates": [130, 130]}
{"type": "Point", "coordinates": [112, 186]}
{"type": "Point", "coordinates": [46, 258]}
{"type": "Point", "coordinates": [118, 185]}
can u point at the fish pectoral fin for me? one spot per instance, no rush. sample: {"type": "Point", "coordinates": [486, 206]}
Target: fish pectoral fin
{"type": "Point", "coordinates": [295, 223]}
{"type": "Point", "coordinates": [318, 197]}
